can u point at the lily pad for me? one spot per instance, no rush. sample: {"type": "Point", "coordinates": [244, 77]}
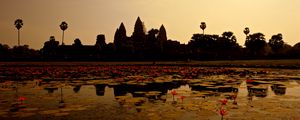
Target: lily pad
{"type": "Point", "coordinates": [48, 112]}
{"type": "Point", "coordinates": [61, 114]}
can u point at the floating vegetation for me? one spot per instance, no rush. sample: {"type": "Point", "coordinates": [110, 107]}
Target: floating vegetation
{"type": "Point", "coordinates": [157, 92]}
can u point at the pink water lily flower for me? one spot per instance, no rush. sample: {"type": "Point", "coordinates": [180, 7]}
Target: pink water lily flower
{"type": "Point", "coordinates": [182, 98]}
{"type": "Point", "coordinates": [249, 81]}
{"type": "Point", "coordinates": [224, 101]}
{"type": "Point", "coordinates": [21, 98]}
{"type": "Point", "coordinates": [223, 112]}
{"type": "Point", "coordinates": [174, 92]}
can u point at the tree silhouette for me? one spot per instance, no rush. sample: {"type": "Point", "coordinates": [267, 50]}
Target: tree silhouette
{"type": "Point", "coordinates": [297, 45]}
{"type": "Point", "coordinates": [152, 45]}
{"type": "Point", "coordinates": [296, 50]}
{"type": "Point", "coordinates": [229, 36]}
{"type": "Point", "coordinates": [63, 26]}
{"type": "Point", "coordinates": [203, 26]}
{"type": "Point", "coordinates": [276, 42]}
{"type": "Point", "coordinates": [18, 25]}
{"type": "Point", "coordinates": [23, 52]}
{"type": "Point", "coordinates": [226, 46]}
{"type": "Point", "coordinates": [257, 45]}
{"type": "Point", "coordinates": [203, 46]}
{"type": "Point", "coordinates": [4, 51]}
{"type": "Point", "coordinates": [172, 49]}
{"type": "Point", "coordinates": [246, 31]}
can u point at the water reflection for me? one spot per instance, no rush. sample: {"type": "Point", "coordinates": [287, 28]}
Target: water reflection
{"type": "Point", "coordinates": [145, 89]}
{"type": "Point", "coordinates": [140, 89]}
{"type": "Point", "coordinates": [100, 89]}
{"type": "Point", "coordinates": [76, 88]}
{"type": "Point", "coordinates": [50, 89]}
{"type": "Point", "coordinates": [137, 95]}
{"type": "Point", "coordinates": [258, 91]}
{"type": "Point", "coordinates": [278, 89]}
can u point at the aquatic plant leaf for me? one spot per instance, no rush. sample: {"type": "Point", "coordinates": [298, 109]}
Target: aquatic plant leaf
{"type": "Point", "coordinates": [61, 114]}
{"type": "Point", "coordinates": [48, 112]}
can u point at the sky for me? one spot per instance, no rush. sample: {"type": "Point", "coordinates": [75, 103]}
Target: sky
{"type": "Point", "coordinates": [181, 18]}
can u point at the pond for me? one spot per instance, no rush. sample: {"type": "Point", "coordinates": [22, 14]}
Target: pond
{"type": "Point", "coordinates": [149, 92]}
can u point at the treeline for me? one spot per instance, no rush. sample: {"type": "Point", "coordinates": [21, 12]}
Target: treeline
{"type": "Point", "coordinates": [155, 46]}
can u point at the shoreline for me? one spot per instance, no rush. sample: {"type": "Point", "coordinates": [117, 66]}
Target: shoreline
{"type": "Point", "coordinates": [287, 63]}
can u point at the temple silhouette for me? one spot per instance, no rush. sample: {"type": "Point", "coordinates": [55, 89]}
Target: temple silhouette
{"type": "Point", "coordinates": [141, 45]}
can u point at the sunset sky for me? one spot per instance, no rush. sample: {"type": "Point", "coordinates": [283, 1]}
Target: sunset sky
{"type": "Point", "coordinates": [181, 18]}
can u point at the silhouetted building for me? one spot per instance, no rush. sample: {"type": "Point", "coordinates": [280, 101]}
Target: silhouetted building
{"type": "Point", "coordinates": [154, 45]}
{"type": "Point", "coordinates": [100, 42]}
{"type": "Point", "coordinates": [162, 37]}
{"type": "Point", "coordinates": [120, 38]}
{"type": "Point", "coordinates": [139, 36]}
{"type": "Point", "coordinates": [76, 52]}
{"type": "Point", "coordinates": [50, 49]}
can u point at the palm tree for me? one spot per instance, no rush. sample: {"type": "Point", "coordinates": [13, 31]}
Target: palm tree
{"type": "Point", "coordinates": [246, 31]}
{"type": "Point", "coordinates": [203, 26]}
{"type": "Point", "coordinates": [63, 26]}
{"type": "Point", "coordinates": [61, 95]}
{"type": "Point", "coordinates": [61, 102]}
{"type": "Point", "coordinates": [19, 24]}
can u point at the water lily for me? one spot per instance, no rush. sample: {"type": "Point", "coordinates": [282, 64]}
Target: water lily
{"type": "Point", "coordinates": [182, 97]}
{"type": "Point", "coordinates": [224, 101]}
{"type": "Point", "coordinates": [249, 81]}
{"type": "Point", "coordinates": [21, 98]}
{"type": "Point", "coordinates": [6, 84]}
{"type": "Point", "coordinates": [174, 93]}
{"type": "Point", "coordinates": [223, 112]}
{"type": "Point", "coordinates": [234, 98]}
